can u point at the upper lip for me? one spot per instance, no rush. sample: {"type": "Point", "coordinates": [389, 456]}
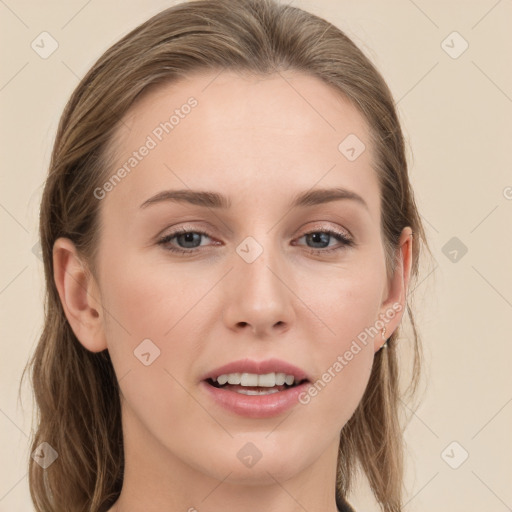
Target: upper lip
{"type": "Point", "coordinates": [259, 367]}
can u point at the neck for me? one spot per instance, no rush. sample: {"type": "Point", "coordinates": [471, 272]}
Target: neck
{"type": "Point", "coordinates": [156, 479]}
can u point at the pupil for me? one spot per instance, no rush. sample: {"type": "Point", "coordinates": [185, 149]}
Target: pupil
{"type": "Point", "coordinates": [316, 236]}
{"type": "Point", "coordinates": [189, 237]}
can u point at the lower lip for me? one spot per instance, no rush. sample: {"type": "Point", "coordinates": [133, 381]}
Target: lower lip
{"type": "Point", "coordinates": [256, 406]}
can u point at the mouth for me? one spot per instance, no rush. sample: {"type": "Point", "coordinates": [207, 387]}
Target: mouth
{"type": "Point", "coordinates": [256, 389]}
{"type": "Point", "coordinates": [255, 384]}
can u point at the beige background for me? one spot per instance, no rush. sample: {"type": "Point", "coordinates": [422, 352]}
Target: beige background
{"type": "Point", "coordinates": [456, 114]}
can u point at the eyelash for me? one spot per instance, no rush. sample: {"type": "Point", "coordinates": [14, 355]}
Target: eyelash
{"type": "Point", "coordinates": [341, 237]}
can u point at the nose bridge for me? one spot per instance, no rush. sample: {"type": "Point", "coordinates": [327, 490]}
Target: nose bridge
{"type": "Point", "coordinates": [259, 295]}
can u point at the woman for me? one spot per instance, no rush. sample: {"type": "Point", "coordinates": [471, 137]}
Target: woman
{"type": "Point", "coordinates": [229, 236]}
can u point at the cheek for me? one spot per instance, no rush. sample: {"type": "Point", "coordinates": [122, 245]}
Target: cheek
{"type": "Point", "coordinates": [347, 301]}
{"type": "Point", "coordinates": [135, 310]}
{"type": "Point", "coordinates": [348, 308]}
{"type": "Point", "coordinates": [150, 339]}
{"type": "Point", "coordinates": [133, 298]}
{"type": "Point", "coordinates": [148, 300]}
{"type": "Point", "coordinates": [153, 302]}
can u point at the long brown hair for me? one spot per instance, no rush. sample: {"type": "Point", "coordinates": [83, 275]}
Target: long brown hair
{"type": "Point", "coordinates": [76, 391]}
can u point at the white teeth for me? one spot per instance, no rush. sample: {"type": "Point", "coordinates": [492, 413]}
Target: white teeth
{"type": "Point", "coordinates": [234, 378]}
{"type": "Point", "coordinates": [280, 379]}
{"type": "Point", "coordinates": [222, 379]}
{"type": "Point", "coordinates": [249, 379]}
{"type": "Point", "coordinates": [254, 392]}
{"type": "Point", "coordinates": [289, 379]}
{"type": "Point", "coordinates": [267, 380]}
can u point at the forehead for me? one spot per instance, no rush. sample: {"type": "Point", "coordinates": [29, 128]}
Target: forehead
{"type": "Point", "coordinates": [243, 134]}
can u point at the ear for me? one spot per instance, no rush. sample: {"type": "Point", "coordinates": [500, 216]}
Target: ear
{"type": "Point", "coordinates": [79, 295]}
{"type": "Point", "coordinates": [394, 304]}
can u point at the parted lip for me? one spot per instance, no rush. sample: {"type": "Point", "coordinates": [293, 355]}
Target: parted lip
{"type": "Point", "coordinates": [259, 367]}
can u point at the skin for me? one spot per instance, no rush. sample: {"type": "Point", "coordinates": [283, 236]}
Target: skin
{"type": "Point", "coordinates": [259, 141]}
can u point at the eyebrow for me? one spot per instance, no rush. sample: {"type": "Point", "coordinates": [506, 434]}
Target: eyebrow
{"type": "Point", "coordinates": [215, 200]}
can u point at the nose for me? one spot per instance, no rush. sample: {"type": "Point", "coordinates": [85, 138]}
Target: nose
{"type": "Point", "coordinates": [259, 296]}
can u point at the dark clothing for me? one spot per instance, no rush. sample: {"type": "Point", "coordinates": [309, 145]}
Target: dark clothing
{"type": "Point", "coordinates": [343, 505]}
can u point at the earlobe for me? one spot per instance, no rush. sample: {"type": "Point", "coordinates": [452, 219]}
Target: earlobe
{"type": "Point", "coordinates": [394, 306]}
{"type": "Point", "coordinates": [79, 295]}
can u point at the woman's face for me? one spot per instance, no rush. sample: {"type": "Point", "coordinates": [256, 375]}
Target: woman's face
{"type": "Point", "coordinates": [254, 279]}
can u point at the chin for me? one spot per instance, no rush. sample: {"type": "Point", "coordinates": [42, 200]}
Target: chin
{"type": "Point", "coordinates": [254, 460]}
